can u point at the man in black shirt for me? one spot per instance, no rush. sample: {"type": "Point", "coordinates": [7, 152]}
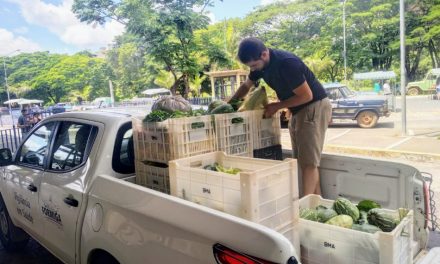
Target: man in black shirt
{"type": "Point", "coordinates": [297, 89]}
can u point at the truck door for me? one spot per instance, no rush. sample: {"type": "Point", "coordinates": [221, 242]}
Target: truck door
{"type": "Point", "coordinates": [24, 178]}
{"type": "Point", "coordinates": [62, 187]}
{"type": "Point", "coordinates": [335, 96]}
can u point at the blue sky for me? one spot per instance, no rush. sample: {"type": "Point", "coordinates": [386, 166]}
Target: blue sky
{"type": "Point", "coordinates": [49, 25]}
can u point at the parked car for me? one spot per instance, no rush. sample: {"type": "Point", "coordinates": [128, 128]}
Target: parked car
{"type": "Point", "coordinates": [349, 105]}
{"type": "Point", "coordinates": [59, 108]}
{"type": "Point", "coordinates": [365, 109]}
{"type": "Point", "coordinates": [427, 85]}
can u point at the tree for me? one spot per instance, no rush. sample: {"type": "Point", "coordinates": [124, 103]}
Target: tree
{"type": "Point", "coordinates": [165, 26]}
{"type": "Point", "coordinates": [72, 76]}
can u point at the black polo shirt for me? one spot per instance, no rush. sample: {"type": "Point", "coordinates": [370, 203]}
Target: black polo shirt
{"type": "Point", "coordinates": [285, 73]}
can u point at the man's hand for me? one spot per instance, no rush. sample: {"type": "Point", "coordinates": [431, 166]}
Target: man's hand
{"type": "Point", "coordinates": [271, 109]}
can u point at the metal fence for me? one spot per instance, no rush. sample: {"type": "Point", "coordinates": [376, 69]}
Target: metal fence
{"type": "Point", "coordinates": [200, 100]}
{"type": "Point", "coordinates": [11, 137]}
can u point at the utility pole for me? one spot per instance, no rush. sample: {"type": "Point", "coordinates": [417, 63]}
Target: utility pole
{"type": "Point", "coordinates": [402, 66]}
{"type": "Point", "coordinates": [345, 44]}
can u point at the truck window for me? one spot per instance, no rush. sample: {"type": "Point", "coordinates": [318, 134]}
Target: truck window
{"type": "Point", "coordinates": [71, 144]}
{"type": "Point", "coordinates": [34, 149]}
{"type": "Point", "coordinates": [123, 153]}
{"type": "Point", "coordinates": [334, 93]}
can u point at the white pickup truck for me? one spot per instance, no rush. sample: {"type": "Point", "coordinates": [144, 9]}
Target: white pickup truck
{"type": "Point", "coordinates": [71, 186]}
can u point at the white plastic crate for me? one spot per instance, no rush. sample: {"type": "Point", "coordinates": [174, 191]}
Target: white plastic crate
{"type": "Point", "coordinates": [322, 243]}
{"type": "Point", "coordinates": [173, 138]}
{"type": "Point", "coordinates": [291, 232]}
{"type": "Point", "coordinates": [153, 177]}
{"type": "Point", "coordinates": [266, 131]}
{"type": "Point", "coordinates": [266, 191]}
{"type": "Point", "coordinates": [233, 133]}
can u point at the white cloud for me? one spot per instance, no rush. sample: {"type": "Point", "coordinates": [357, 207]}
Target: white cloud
{"type": "Point", "coordinates": [60, 20]}
{"type": "Point", "coordinates": [267, 2]}
{"type": "Point", "coordinates": [21, 30]}
{"type": "Point", "coordinates": [211, 17]}
{"type": "Point", "coordinates": [10, 43]}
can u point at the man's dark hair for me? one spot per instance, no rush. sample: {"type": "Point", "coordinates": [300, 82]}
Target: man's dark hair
{"type": "Point", "coordinates": [23, 110]}
{"type": "Point", "coordinates": [250, 49]}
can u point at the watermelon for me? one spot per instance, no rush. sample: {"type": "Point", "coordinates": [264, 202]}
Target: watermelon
{"type": "Point", "coordinates": [215, 104]}
{"type": "Point", "coordinates": [366, 228]}
{"type": "Point", "coordinates": [222, 109]}
{"type": "Point", "coordinates": [381, 219]}
{"type": "Point", "coordinates": [343, 206]}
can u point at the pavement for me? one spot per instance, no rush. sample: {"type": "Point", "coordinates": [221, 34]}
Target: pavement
{"type": "Point", "coordinates": [383, 141]}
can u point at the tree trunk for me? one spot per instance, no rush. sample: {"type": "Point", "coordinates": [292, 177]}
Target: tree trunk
{"type": "Point", "coordinates": [187, 88]}
{"type": "Point", "coordinates": [433, 54]}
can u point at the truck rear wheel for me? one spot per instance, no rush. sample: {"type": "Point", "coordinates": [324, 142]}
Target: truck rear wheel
{"type": "Point", "coordinates": [12, 238]}
{"type": "Point", "coordinates": [102, 257]}
{"type": "Point", "coordinates": [367, 119]}
{"type": "Point", "coordinates": [413, 91]}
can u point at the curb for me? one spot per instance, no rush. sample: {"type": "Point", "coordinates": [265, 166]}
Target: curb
{"type": "Point", "coordinates": [382, 153]}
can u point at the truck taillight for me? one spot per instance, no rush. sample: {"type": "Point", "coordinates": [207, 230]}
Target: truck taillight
{"type": "Point", "coordinates": [224, 255]}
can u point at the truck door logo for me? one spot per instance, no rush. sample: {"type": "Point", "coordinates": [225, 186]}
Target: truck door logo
{"type": "Point", "coordinates": [52, 214]}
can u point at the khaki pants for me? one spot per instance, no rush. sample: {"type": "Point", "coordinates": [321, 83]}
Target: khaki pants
{"type": "Point", "coordinates": [307, 132]}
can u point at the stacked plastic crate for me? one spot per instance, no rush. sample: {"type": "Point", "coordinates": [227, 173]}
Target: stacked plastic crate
{"type": "Point", "coordinates": [266, 136]}
{"type": "Point", "coordinates": [234, 133]}
{"type": "Point", "coordinates": [264, 191]}
{"type": "Point", "coordinates": [156, 143]}
{"type": "Point", "coordinates": [249, 134]}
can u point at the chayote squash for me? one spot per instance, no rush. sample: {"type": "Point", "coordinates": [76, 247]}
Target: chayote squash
{"type": "Point", "coordinates": [341, 220]}
{"type": "Point", "coordinates": [343, 206]}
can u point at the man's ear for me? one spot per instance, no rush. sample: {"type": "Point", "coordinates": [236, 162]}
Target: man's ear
{"type": "Point", "coordinates": [265, 54]}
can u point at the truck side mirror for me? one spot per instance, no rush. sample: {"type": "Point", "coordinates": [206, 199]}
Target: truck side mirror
{"type": "Point", "coordinates": [5, 157]}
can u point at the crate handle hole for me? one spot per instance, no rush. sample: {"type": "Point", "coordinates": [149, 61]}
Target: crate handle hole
{"type": "Point", "coordinates": [197, 125]}
{"type": "Point", "coordinates": [196, 164]}
{"type": "Point", "coordinates": [237, 120]}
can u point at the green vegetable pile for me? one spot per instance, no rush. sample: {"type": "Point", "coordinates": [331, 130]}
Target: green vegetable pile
{"type": "Point", "coordinates": [175, 107]}
{"type": "Point", "coordinates": [220, 168]}
{"type": "Point", "coordinates": [366, 216]}
{"type": "Point", "coordinates": [160, 115]}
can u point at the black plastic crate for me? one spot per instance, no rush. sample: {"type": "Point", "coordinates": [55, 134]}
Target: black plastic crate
{"type": "Point", "coordinates": [273, 152]}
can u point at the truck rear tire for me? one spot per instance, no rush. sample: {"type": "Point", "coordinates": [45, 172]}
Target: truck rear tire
{"type": "Point", "coordinates": [367, 119]}
{"type": "Point", "coordinates": [12, 237]}
{"type": "Point", "coordinates": [102, 257]}
{"type": "Point", "coordinates": [413, 91]}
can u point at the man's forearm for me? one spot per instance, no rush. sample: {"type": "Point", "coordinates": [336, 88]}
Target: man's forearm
{"type": "Point", "coordinates": [242, 90]}
{"type": "Point", "coordinates": [293, 101]}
